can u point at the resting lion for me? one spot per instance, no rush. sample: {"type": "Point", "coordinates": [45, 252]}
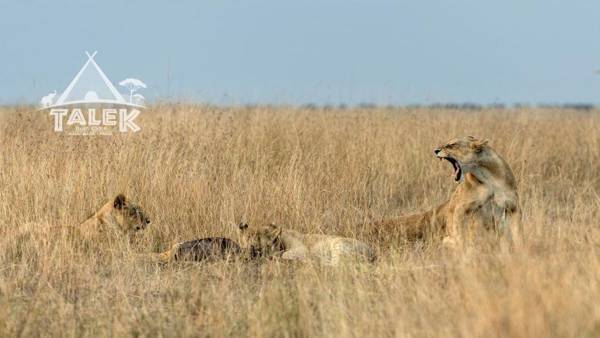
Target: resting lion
{"type": "Point", "coordinates": [118, 214]}
{"type": "Point", "coordinates": [273, 240]}
{"type": "Point", "coordinates": [115, 220]}
{"type": "Point", "coordinates": [486, 197]}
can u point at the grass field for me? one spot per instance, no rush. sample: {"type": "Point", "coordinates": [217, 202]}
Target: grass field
{"type": "Point", "coordinates": [197, 170]}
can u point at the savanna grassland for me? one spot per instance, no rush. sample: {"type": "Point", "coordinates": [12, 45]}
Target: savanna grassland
{"type": "Point", "coordinates": [198, 170]}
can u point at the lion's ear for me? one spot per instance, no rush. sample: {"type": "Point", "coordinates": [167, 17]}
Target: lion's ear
{"type": "Point", "coordinates": [120, 201]}
{"type": "Point", "coordinates": [479, 144]}
{"type": "Point", "coordinates": [243, 226]}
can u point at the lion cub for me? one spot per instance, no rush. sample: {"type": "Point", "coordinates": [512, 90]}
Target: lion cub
{"type": "Point", "coordinates": [274, 240]}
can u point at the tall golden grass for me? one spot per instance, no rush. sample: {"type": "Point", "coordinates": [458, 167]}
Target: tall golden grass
{"type": "Point", "coordinates": [197, 170]}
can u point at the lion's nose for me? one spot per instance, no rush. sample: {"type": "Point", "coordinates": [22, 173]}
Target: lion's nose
{"type": "Point", "coordinates": [437, 151]}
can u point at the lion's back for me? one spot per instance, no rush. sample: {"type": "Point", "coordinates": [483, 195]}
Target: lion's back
{"type": "Point", "coordinates": [332, 250]}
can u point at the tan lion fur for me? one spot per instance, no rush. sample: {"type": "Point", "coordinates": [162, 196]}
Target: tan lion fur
{"type": "Point", "coordinates": [485, 198]}
{"type": "Point", "coordinates": [275, 240]}
{"type": "Point", "coordinates": [117, 215]}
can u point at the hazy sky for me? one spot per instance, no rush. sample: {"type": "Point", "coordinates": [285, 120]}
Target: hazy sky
{"type": "Point", "coordinates": [321, 51]}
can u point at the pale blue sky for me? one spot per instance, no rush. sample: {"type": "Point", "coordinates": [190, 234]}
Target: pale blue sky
{"type": "Point", "coordinates": [321, 51]}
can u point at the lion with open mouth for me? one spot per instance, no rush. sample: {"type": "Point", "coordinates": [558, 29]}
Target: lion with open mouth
{"type": "Point", "coordinates": [486, 197]}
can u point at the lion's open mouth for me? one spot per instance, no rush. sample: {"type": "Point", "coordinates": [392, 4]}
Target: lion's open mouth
{"type": "Point", "coordinates": [456, 167]}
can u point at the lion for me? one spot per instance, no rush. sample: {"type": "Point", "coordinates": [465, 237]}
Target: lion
{"type": "Point", "coordinates": [210, 248]}
{"type": "Point", "coordinates": [486, 197]}
{"type": "Point", "coordinates": [118, 214]}
{"type": "Point", "coordinates": [115, 220]}
{"type": "Point", "coordinates": [275, 241]}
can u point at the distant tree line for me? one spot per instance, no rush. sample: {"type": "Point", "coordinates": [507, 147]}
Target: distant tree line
{"type": "Point", "coordinates": [455, 106]}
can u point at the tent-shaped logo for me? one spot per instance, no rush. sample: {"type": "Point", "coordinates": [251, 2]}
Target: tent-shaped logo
{"type": "Point", "coordinates": [92, 86]}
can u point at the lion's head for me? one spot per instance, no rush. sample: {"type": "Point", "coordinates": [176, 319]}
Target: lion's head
{"type": "Point", "coordinates": [463, 153]}
{"type": "Point", "coordinates": [127, 215]}
{"type": "Point", "coordinates": [261, 241]}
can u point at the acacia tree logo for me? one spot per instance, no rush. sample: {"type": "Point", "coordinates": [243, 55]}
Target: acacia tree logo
{"type": "Point", "coordinates": [91, 105]}
{"type": "Point", "coordinates": [134, 85]}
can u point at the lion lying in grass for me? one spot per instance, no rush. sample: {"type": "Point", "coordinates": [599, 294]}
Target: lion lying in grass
{"type": "Point", "coordinates": [113, 222]}
{"type": "Point", "coordinates": [486, 197]}
{"type": "Point", "coordinates": [273, 240]}
{"type": "Point", "coordinates": [118, 214]}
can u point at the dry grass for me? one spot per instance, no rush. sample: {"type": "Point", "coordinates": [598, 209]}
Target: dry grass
{"type": "Point", "coordinates": [198, 170]}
